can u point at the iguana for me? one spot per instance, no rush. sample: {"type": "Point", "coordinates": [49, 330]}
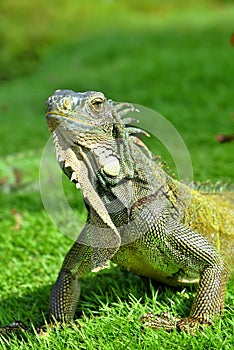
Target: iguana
{"type": "Point", "coordinates": [138, 216]}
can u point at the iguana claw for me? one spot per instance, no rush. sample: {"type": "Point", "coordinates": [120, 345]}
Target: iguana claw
{"type": "Point", "coordinates": [161, 321]}
{"type": "Point", "coordinates": [169, 323]}
{"type": "Point", "coordinates": [14, 327]}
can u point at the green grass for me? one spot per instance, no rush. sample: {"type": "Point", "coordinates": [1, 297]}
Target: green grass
{"type": "Point", "coordinates": [175, 59]}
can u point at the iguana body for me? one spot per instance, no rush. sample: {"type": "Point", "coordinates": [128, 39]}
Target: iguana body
{"type": "Point", "coordinates": [138, 216]}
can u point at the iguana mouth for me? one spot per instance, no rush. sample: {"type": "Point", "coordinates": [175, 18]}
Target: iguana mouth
{"type": "Point", "coordinates": [60, 115]}
{"type": "Point", "coordinates": [56, 118]}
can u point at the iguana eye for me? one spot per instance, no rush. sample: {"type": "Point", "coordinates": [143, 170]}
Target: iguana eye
{"type": "Point", "coordinates": [97, 103]}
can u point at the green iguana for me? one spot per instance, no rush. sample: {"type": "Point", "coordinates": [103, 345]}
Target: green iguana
{"type": "Point", "coordinates": [138, 216]}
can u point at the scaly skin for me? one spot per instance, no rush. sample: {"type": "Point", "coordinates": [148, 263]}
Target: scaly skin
{"type": "Point", "coordinates": [138, 216]}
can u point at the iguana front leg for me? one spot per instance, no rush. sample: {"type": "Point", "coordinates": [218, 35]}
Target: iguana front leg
{"type": "Point", "coordinates": [192, 251]}
{"type": "Point", "coordinates": [90, 251]}
{"type": "Point", "coordinates": [66, 290]}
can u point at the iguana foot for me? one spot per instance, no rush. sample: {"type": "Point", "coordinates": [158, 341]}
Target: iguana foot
{"type": "Point", "coordinates": [16, 327]}
{"type": "Point", "coordinates": [170, 323]}
{"type": "Point", "coordinates": [20, 328]}
{"type": "Point", "coordinates": [192, 324]}
{"type": "Point", "coordinates": [162, 321]}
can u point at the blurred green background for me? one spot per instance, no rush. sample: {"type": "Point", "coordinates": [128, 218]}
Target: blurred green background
{"type": "Point", "coordinates": [173, 56]}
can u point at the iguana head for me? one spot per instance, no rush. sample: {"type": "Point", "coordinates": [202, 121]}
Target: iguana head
{"type": "Point", "coordinates": [83, 111]}
{"type": "Point", "coordinates": [87, 112]}
{"type": "Point", "coordinates": [88, 122]}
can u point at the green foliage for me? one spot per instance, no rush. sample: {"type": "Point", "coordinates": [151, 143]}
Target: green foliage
{"type": "Point", "coordinates": [173, 57]}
